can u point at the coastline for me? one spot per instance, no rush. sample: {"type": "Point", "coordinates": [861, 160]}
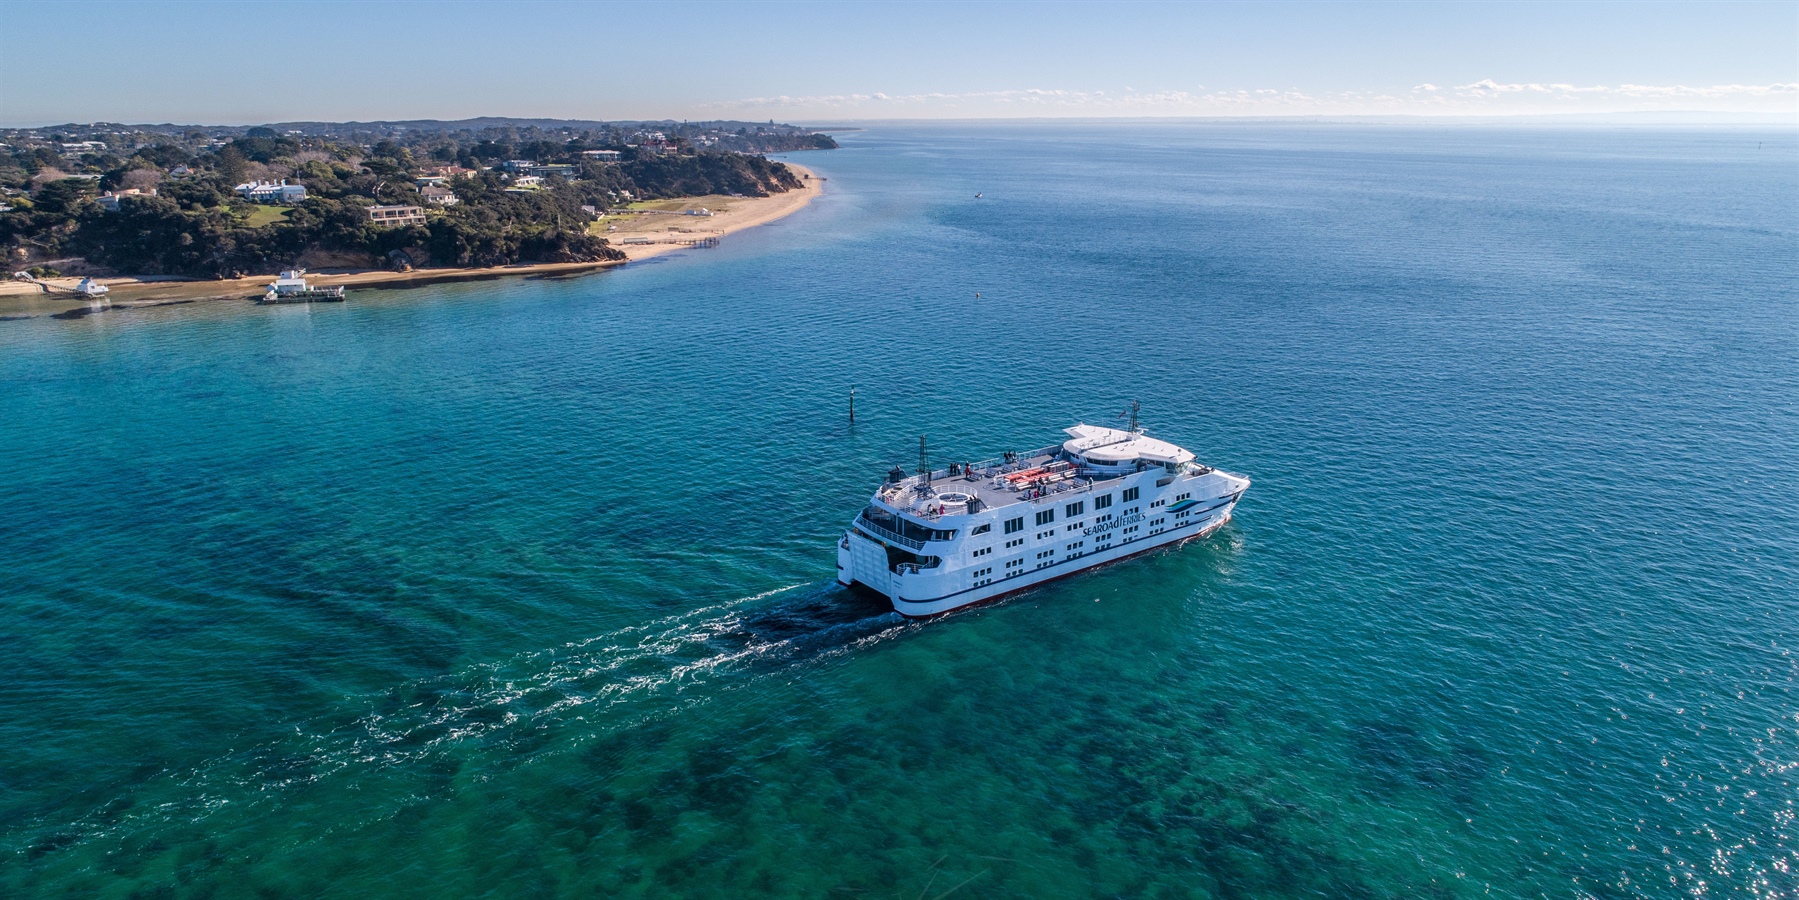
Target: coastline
{"type": "Point", "coordinates": [736, 215]}
{"type": "Point", "coordinates": [20, 299]}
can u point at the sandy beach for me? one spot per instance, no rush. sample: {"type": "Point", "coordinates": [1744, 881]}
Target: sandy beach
{"type": "Point", "coordinates": [668, 226]}
{"type": "Point", "coordinates": [662, 227]}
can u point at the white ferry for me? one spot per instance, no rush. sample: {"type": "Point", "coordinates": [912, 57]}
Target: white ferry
{"type": "Point", "coordinates": [936, 541]}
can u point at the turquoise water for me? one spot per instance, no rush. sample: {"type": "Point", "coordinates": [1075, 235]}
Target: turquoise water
{"type": "Point", "coordinates": [525, 588]}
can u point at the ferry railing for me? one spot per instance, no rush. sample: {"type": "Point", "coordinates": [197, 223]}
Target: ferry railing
{"type": "Point", "coordinates": [987, 467]}
{"type": "Point", "coordinates": [1058, 490]}
{"type": "Point", "coordinates": [863, 523]}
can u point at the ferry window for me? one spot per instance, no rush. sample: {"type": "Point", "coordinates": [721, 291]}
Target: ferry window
{"type": "Point", "coordinates": [1076, 508]}
{"type": "Point", "coordinates": [1102, 501]}
{"type": "Point", "coordinates": [982, 529]}
{"type": "Point", "coordinates": [1013, 525]}
{"type": "Point", "coordinates": [1045, 517]}
{"type": "Point", "coordinates": [1129, 494]}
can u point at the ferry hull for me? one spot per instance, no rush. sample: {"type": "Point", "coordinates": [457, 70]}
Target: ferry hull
{"type": "Point", "coordinates": [861, 562]}
{"type": "Point", "coordinates": [925, 608]}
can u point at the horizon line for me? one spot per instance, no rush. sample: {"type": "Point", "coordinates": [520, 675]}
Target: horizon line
{"type": "Point", "coordinates": [1640, 117]}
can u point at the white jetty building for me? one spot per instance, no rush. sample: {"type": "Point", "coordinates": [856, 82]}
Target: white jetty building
{"type": "Point", "coordinates": [936, 541]}
{"type": "Point", "coordinates": [291, 287]}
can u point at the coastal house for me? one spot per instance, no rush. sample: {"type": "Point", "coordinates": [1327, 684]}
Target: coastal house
{"type": "Point", "coordinates": [440, 195]}
{"type": "Point", "coordinates": [448, 171]}
{"type": "Point", "coordinates": [604, 156]}
{"type": "Point", "coordinates": [556, 170]}
{"type": "Point", "coordinates": [517, 165]}
{"type": "Point", "coordinates": [527, 181]}
{"type": "Point", "coordinates": [272, 192]}
{"type": "Point", "coordinates": [397, 216]}
{"type": "Point", "coordinates": [425, 180]}
{"type": "Point", "coordinates": [180, 171]}
{"type": "Point", "coordinates": [593, 211]}
{"type": "Point", "coordinates": [110, 200]}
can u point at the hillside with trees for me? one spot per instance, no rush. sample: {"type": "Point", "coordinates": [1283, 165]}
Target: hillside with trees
{"type": "Point", "coordinates": [167, 201]}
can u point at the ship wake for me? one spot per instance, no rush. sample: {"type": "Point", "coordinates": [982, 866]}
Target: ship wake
{"type": "Point", "coordinates": [507, 712]}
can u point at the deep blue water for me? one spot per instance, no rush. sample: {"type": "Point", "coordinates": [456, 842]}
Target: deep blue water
{"type": "Point", "coordinates": [525, 588]}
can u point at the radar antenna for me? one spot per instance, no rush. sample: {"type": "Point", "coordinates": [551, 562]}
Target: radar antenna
{"type": "Point", "coordinates": [1132, 412]}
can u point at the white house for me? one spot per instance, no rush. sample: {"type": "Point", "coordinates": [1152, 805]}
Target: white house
{"type": "Point", "coordinates": [601, 155]}
{"type": "Point", "coordinates": [110, 200]}
{"type": "Point", "coordinates": [272, 192]}
{"type": "Point", "coordinates": [440, 195]}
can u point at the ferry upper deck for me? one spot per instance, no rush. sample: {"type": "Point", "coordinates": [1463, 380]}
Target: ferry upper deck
{"type": "Point", "coordinates": [1091, 458]}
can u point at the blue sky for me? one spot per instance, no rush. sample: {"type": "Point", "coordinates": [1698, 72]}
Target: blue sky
{"type": "Point", "coordinates": [261, 62]}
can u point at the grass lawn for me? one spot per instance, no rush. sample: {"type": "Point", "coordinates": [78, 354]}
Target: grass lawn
{"type": "Point", "coordinates": [629, 224]}
{"type": "Point", "coordinates": [714, 202]}
{"type": "Point", "coordinates": [266, 215]}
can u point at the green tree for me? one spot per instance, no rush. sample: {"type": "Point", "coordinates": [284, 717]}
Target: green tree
{"type": "Point", "coordinates": [233, 164]}
{"type": "Point", "coordinates": [63, 197]}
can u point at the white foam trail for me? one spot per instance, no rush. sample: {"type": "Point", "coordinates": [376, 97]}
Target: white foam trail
{"type": "Point", "coordinates": [508, 685]}
{"type": "Point", "coordinates": [662, 657]}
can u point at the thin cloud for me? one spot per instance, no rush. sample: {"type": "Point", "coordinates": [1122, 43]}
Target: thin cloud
{"type": "Point", "coordinates": [1489, 87]}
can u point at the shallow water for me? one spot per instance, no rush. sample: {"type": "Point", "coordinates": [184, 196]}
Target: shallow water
{"type": "Point", "coordinates": [526, 587]}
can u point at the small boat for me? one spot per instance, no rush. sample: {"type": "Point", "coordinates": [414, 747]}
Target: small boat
{"type": "Point", "coordinates": [92, 289]}
{"type": "Point", "coordinates": [291, 287]}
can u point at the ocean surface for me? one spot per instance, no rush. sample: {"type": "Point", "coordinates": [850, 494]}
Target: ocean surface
{"type": "Point", "coordinates": [525, 588]}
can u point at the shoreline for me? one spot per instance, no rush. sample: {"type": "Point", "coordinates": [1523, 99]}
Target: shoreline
{"type": "Point", "coordinates": [20, 300]}
{"type": "Point", "coordinates": [739, 214]}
